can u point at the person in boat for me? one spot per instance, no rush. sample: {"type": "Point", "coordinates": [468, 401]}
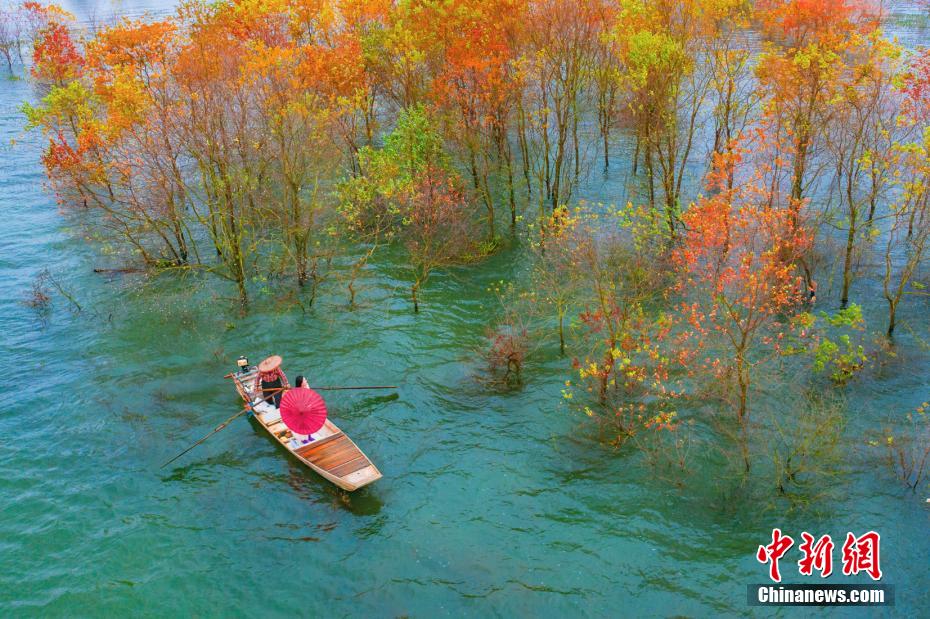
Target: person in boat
{"type": "Point", "coordinates": [301, 382]}
{"type": "Point", "coordinates": [271, 380]}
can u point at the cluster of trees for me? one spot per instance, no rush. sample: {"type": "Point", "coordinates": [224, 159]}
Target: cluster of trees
{"type": "Point", "coordinates": [249, 137]}
{"type": "Point", "coordinates": [239, 138]}
{"type": "Point", "coordinates": [19, 28]}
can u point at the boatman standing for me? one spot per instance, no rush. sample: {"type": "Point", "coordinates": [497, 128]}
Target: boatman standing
{"type": "Point", "coordinates": [271, 380]}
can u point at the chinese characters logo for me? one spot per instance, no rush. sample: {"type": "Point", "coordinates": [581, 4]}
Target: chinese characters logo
{"type": "Point", "coordinates": [859, 554]}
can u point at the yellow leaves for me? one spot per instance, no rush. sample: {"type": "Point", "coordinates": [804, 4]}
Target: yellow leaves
{"type": "Point", "coordinates": [318, 16]}
{"type": "Point", "coordinates": [815, 56]}
{"type": "Point", "coordinates": [592, 369]}
{"type": "Point", "coordinates": [274, 66]}
{"type": "Point", "coordinates": [127, 102]}
{"type": "Point", "coordinates": [55, 12]}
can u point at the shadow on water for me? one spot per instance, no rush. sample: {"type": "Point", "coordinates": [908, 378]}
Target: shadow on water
{"type": "Point", "coordinates": [309, 486]}
{"type": "Point", "coordinates": [369, 404]}
{"type": "Point", "coordinates": [305, 483]}
{"type": "Point", "coordinates": [371, 401]}
{"type": "Point", "coordinates": [202, 471]}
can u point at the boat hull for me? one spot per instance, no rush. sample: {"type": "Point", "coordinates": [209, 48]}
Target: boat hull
{"type": "Point", "coordinates": [331, 453]}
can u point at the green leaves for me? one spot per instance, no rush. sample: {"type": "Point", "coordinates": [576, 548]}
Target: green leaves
{"type": "Point", "coordinates": [851, 317]}
{"type": "Point", "coordinates": [371, 200]}
{"type": "Point", "coordinates": [415, 143]}
{"type": "Point", "coordinates": [60, 105]}
{"type": "Point", "coordinates": [832, 346]}
{"type": "Point", "coordinates": [653, 53]}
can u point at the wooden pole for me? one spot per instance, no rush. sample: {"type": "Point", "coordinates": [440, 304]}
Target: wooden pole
{"type": "Point", "coordinates": [233, 376]}
{"type": "Point", "coordinates": [245, 410]}
{"type": "Point", "coordinates": [343, 388]}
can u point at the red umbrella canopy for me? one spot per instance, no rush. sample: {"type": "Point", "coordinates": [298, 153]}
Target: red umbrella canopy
{"type": "Point", "coordinates": [303, 410]}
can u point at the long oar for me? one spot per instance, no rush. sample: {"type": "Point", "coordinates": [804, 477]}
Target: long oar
{"type": "Point", "coordinates": [344, 388]}
{"type": "Point", "coordinates": [215, 430]}
{"type": "Point", "coordinates": [233, 376]}
{"type": "Point", "coordinates": [248, 408]}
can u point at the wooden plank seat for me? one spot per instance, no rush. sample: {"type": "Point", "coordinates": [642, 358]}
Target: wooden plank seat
{"type": "Point", "coordinates": [304, 451]}
{"type": "Point", "coordinates": [339, 456]}
{"type": "Point", "coordinates": [332, 460]}
{"type": "Point", "coordinates": [350, 467]}
{"type": "Point", "coordinates": [333, 454]}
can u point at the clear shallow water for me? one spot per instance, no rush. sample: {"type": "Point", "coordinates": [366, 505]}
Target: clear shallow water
{"type": "Point", "coordinates": [491, 504]}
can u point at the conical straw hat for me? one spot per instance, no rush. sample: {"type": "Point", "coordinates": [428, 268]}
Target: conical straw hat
{"type": "Point", "coordinates": [270, 364]}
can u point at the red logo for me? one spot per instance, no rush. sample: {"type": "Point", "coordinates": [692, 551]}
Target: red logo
{"type": "Point", "coordinates": [860, 554]}
{"type": "Point", "coordinates": [817, 556]}
{"type": "Point", "coordinates": [773, 552]}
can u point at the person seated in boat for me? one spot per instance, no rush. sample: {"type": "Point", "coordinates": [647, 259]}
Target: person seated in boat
{"type": "Point", "coordinates": [271, 380]}
{"type": "Point", "coordinates": [298, 440]}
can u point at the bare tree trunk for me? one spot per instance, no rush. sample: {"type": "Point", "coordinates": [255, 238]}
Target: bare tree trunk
{"type": "Point", "coordinates": [847, 261]}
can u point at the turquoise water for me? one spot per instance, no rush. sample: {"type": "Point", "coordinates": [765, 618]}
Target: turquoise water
{"type": "Point", "coordinates": [491, 503]}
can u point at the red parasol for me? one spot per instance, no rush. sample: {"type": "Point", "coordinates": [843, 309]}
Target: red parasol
{"type": "Point", "coordinates": [303, 410]}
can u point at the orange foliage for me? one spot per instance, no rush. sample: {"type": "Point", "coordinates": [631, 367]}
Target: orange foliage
{"type": "Point", "coordinates": [797, 23]}
{"type": "Point", "coordinates": [916, 87]}
{"type": "Point", "coordinates": [476, 74]}
{"type": "Point", "coordinates": [738, 266]}
{"type": "Point", "coordinates": [55, 56]}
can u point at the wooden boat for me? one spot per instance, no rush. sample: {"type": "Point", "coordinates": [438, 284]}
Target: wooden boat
{"type": "Point", "coordinates": [331, 453]}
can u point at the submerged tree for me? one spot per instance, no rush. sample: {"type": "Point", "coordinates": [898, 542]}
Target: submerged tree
{"type": "Point", "coordinates": [477, 87]}
{"type": "Point", "coordinates": [908, 237]}
{"type": "Point", "coordinates": [861, 145]}
{"type": "Point", "coordinates": [556, 269]}
{"type": "Point", "coordinates": [297, 113]}
{"type": "Point", "coordinates": [661, 45]}
{"type": "Point", "coordinates": [12, 33]}
{"type": "Point", "coordinates": [438, 226]}
{"type": "Point", "coordinates": [738, 277]}
{"type": "Point", "coordinates": [215, 127]}
{"type": "Point", "coordinates": [370, 203]}
{"type": "Point", "coordinates": [148, 191]}
{"type": "Point", "coordinates": [807, 46]}
{"type": "Point", "coordinates": [560, 38]}
{"type": "Point", "coordinates": [623, 363]}
{"type": "Point", "coordinates": [907, 447]}
{"type": "Point", "coordinates": [408, 190]}
{"type": "Point", "coordinates": [509, 342]}
{"type": "Point", "coordinates": [732, 85]}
